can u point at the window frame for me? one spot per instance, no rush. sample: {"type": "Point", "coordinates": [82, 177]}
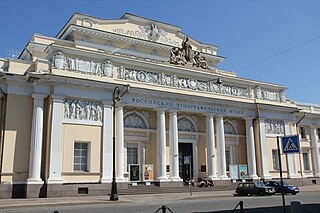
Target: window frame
{"type": "Point", "coordinates": [88, 156]}
{"type": "Point", "coordinates": [275, 160]}
{"type": "Point", "coordinates": [306, 153]}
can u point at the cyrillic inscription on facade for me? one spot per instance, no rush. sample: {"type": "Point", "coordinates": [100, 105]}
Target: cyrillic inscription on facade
{"type": "Point", "coordinates": [182, 106]}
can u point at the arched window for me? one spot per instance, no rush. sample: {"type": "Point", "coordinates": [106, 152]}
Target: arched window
{"type": "Point", "coordinates": [229, 128]}
{"type": "Point", "coordinates": [186, 124]}
{"type": "Point", "coordinates": [134, 119]}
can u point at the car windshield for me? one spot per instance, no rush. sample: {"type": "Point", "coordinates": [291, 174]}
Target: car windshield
{"type": "Point", "coordinates": [259, 184]}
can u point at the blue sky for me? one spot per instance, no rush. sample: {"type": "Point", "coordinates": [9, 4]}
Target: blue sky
{"type": "Point", "coordinates": [276, 41]}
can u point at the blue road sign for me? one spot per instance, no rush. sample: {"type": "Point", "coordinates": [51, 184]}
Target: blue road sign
{"type": "Point", "coordinates": [290, 144]}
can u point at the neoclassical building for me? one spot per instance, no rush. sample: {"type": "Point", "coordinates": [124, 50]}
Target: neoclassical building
{"type": "Point", "coordinates": [182, 116]}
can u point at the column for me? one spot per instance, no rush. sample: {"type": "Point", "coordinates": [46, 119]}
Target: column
{"type": "Point", "coordinates": [55, 162]}
{"type": "Point", "coordinates": [174, 152]}
{"type": "Point", "coordinates": [212, 173]}
{"type": "Point", "coordinates": [36, 140]}
{"type": "Point", "coordinates": [1, 96]}
{"type": "Point", "coordinates": [291, 157]}
{"type": "Point", "coordinates": [222, 172]}
{"type": "Point", "coordinates": [119, 144]}
{"type": "Point", "coordinates": [315, 152]}
{"type": "Point", "coordinates": [251, 155]}
{"type": "Point", "coordinates": [161, 142]}
{"type": "Point", "coordinates": [263, 150]}
{"type": "Point", "coordinates": [107, 146]}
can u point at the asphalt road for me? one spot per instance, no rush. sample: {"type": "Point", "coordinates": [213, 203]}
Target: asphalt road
{"type": "Point", "coordinates": [185, 205]}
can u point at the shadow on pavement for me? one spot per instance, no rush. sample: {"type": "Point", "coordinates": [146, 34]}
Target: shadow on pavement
{"type": "Point", "coordinates": [304, 208]}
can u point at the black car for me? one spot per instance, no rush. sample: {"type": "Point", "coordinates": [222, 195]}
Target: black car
{"type": "Point", "coordinates": [287, 188]}
{"type": "Point", "coordinates": [254, 188]}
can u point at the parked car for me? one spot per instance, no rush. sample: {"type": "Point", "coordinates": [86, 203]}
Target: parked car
{"type": "Point", "coordinates": [287, 188]}
{"type": "Point", "coordinates": [254, 188]}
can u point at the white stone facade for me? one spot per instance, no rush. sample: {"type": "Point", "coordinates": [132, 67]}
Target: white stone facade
{"type": "Point", "coordinates": [64, 122]}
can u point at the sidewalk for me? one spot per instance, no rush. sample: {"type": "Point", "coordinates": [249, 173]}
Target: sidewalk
{"type": "Point", "coordinates": [141, 198]}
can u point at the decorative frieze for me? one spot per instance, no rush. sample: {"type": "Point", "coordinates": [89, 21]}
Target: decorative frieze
{"type": "Point", "coordinates": [181, 82]}
{"type": "Point", "coordinates": [269, 95]}
{"type": "Point", "coordinates": [152, 32]}
{"type": "Point", "coordinates": [82, 110]}
{"type": "Point", "coordinates": [60, 61]}
{"type": "Point", "coordinates": [274, 126]}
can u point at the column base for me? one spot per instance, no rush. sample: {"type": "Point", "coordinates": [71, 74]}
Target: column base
{"type": "Point", "coordinates": [316, 175]}
{"type": "Point", "coordinates": [55, 180]}
{"type": "Point", "coordinates": [106, 180]}
{"type": "Point", "coordinates": [266, 177]}
{"type": "Point", "coordinates": [293, 176]}
{"type": "Point", "coordinates": [176, 179]}
{"type": "Point", "coordinates": [162, 179]}
{"type": "Point", "coordinates": [213, 177]}
{"type": "Point", "coordinates": [34, 181]}
{"type": "Point", "coordinates": [120, 180]}
{"type": "Point", "coordinates": [224, 177]}
{"type": "Point", "coordinates": [254, 177]}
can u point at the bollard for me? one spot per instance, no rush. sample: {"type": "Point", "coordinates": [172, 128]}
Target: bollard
{"type": "Point", "coordinates": [295, 207]}
{"type": "Point", "coordinates": [241, 206]}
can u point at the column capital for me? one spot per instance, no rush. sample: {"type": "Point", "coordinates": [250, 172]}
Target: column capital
{"type": "Point", "coordinates": [160, 110]}
{"type": "Point", "coordinates": [313, 127]}
{"type": "Point", "coordinates": [172, 111]}
{"type": "Point", "coordinates": [208, 114]}
{"type": "Point", "coordinates": [248, 118]}
{"type": "Point", "coordinates": [107, 103]}
{"type": "Point", "coordinates": [36, 96]}
{"type": "Point", "coordinates": [219, 116]}
{"type": "Point", "coordinates": [117, 108]}
{"type": "Point", "coordinates": [57, 98]}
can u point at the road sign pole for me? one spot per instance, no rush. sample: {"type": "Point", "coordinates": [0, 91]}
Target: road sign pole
{"type": "Point", "coordinates": [281, 179]}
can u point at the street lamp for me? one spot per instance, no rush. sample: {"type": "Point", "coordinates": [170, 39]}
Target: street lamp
{"type": "Point", "coordinates": [116, 97]}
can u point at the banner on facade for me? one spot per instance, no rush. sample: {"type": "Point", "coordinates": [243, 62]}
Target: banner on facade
{"type": "Point", "coordinates": [243, 169]}
{"type": "Point", "coordinates": [234, 174]}
{"type": "Point", "coordinates": [147, 172]}
{"type": "Point", "coordinates": [134, 174]}
{"type": "Point", "coordinates": [186, 160]}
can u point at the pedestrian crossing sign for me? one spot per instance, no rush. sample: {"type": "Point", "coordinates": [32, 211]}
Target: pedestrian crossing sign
{"type": "Point", "coordinates": [290, 144]}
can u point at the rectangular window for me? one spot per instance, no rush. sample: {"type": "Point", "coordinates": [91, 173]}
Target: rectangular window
{"type": "Point", "coordinates": [303, 132]}
{"type": "Point", "coordinates": [275, 160]}
{"type": "Point", "coordinates": [306, 161]}
{"type": "Point", "coordinates": [80, 157]}
{"type": "Point", "coordinates": [318, 133]}
{"type": "Point", "coordinates": [132, 154]}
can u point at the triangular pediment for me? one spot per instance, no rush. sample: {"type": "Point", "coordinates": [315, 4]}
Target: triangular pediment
{"type": "Point", "coordinates": [140, 28]}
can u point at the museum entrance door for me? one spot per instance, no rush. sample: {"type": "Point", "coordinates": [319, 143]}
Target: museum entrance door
{"type": "Point", "coordinates": [185, 149]}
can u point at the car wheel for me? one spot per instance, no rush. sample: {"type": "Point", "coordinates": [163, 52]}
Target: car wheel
{"type": "Point", "coordinates": [294, 193]}
{"type": "Point", "coordinates": [262, 193]}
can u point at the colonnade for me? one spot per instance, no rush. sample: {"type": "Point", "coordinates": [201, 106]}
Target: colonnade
{"type": "Point", "coordinates": [216, 165]}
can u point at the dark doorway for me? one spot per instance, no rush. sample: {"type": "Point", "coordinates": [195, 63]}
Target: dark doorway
{"type": "Point", "coordinates": [185, 149]}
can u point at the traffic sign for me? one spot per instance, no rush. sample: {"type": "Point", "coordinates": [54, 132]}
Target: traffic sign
{"type": "Point", "coordinates": [290, 144]}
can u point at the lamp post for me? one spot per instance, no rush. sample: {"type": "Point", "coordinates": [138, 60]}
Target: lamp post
{"type": "Point", "coordinates": [116, 97]}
